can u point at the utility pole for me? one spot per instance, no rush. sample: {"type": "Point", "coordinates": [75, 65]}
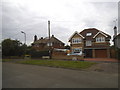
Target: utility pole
{"type": "Point", "coordinates": [49, 29]}
{"type": "Point", "coordinates": [49, 43]}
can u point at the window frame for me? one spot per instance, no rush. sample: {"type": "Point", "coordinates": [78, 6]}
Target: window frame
{"type": "Point", "coordinates": [89, 34]}
{"type": "Point", "coordinates": [77, 50]}
{"type": "Point", "coordinates": [76, 40]}
{"type": "Point", "coordinates": [88, 43]}
{"type": "Point", "coordinates": [100, 39]}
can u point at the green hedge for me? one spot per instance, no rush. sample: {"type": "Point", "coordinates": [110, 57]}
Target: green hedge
{"type": "Point", "coordinates": [39, 54]}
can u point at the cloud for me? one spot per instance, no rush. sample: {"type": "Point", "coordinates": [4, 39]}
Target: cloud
{"type": "Point", "coordinates": [66, 16]}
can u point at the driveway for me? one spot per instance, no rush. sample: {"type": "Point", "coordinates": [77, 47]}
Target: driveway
{"type": "Point", "coordinates": [32, 76]}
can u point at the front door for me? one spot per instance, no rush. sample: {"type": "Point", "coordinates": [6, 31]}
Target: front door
{"type": "Point", "coordinates": [88, 53]}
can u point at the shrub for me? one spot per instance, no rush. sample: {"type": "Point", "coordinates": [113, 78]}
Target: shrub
{"type": "Point", "coordinates": [39, 54]}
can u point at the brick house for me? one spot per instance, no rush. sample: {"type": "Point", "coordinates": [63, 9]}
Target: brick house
{"type": "Point", "coordinates": [92, 42]}
{"type": "Point", "coordinates": [44, 43]}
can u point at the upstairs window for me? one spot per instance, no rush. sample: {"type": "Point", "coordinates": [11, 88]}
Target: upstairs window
{"type": "Point", "coordinates": [88, 43]}
{"type": "Point", "coordinates": [76, 40]}
{"type": "Point", "coordinates": [88, 34]}
{"type": "Point", "coordinates": [100, 39]}
{"type": "Point", "coordinates": [49, 44]}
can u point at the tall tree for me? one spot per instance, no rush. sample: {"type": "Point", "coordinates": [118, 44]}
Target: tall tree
{"type": "Point", "coordinates": [12, 48]}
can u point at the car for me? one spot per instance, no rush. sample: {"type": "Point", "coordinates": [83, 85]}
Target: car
{"type": "Point", "coordinates": [75, 54]}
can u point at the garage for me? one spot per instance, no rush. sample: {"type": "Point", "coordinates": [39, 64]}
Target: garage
{"type": "Point", "coordinates": [101, 53]}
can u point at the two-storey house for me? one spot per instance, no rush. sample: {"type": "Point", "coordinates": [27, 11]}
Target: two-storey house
{"type": "Point", "coordinates": [46, 43]}
{"type": "Point", "coordinates": [92, 42]}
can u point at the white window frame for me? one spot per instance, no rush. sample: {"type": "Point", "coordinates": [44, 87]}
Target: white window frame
{"type": "Point", "coordinates": [49, 44]}
{"type": "Point", "coordinates": [100, 39]}
{"type": "Point", "coordinates": [88, 34]}
{"type": "Point", "coordinates": [77, 50]}
{"type": "Point", "coordinates": [76, 40]}
{"type": "Point", "coordinates": [88, 43]}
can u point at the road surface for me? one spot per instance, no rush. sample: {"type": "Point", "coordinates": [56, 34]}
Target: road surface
{"type": "Point", "coordinates": [32, 76]}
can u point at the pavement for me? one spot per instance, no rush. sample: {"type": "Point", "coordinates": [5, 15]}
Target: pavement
{"type": "Point", "coordinates": [32, 76]}
{"type": "Point", "coordinates": [102, 60]}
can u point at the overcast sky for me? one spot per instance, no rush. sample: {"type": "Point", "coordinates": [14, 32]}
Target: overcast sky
{"type": "Point", "coordinates": [66, 16]}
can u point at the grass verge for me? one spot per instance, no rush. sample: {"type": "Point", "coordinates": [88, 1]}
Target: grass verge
{"type": "Point", "coordinates": [7, 60]}
{"type": "Point", "coordinates": [61, 64]}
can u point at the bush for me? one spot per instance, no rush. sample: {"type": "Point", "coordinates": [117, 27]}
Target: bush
{"type": "Point", "coordinates": [39, 54]}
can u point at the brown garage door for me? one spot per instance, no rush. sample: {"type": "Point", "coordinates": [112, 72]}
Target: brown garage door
{"type": "Point", "coordinates": [102, 53]}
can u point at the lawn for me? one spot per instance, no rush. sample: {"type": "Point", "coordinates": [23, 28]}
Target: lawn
{"type": "Point", "coordinates": [7, 60]}
{"type": "Point", "coordinates": [59, 63]}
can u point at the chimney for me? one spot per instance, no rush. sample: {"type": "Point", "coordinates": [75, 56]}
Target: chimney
{"type": "Point", "coordinates": [115, 31]}
{"type": "Point", "coordinates": [41, 38]}
{"type": "Point", "coordinates": [52, 35]}
{"type": "Point", "coordinates": [35, 38]}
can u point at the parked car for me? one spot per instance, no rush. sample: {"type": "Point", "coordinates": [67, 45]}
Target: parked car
{"type": "Point", "coordinates": [75, 54]}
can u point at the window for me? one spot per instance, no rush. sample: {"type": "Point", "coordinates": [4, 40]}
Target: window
{"type": "Point", "coordinates": [88, 43]}
{"type": "Point", "coordinates": [76, 40]}
{"type": "Point", "coordinates": [88, 34]}
{"type": "Point", "coordinates": [77, 50]}
{"type": "Point", "coordinates": [49, 44]}
{"type": "Point", "coordinates": [36, 45]}
{"type": "Point", "coordinates": [100, 39]}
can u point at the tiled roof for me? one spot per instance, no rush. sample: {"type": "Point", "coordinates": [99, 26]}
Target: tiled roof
{"type": "Point", "coordinates": [94, 31]}
{"type": "Point", "coordinates": [46, 40]}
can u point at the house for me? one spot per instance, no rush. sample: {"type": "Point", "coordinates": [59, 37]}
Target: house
{"type": "Point", "coordinates": [92, 42]}
{"type": "Point", "coordinates": [46, 43]}
{"type": "Point", "coordinates": [116, 41]}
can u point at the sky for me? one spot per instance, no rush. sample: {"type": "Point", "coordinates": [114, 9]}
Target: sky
{"type": "Point", "coordinates": [66, 17]}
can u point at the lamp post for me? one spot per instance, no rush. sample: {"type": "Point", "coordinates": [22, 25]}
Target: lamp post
{"type": "Point", "coordinates": [25, 40]}
{"type": "Point", "coordinates": [24, 35]}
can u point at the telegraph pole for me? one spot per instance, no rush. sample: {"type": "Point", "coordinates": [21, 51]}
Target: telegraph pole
{"type": "Point", "coordinates": [49, 29]}
{"type": "Point", "coordinates": [49, 39]}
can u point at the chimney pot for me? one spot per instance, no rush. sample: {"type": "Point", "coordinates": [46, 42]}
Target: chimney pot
{"type": "Point", "coordinates": [41, 37]}
{"type": "Point", "coordinates": [52, 35]}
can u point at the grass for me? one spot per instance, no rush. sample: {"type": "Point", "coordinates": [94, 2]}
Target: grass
{"type": "Point", "coordinates": [7, 60]}
{"type": "Point", "coordinates": [61, 64]}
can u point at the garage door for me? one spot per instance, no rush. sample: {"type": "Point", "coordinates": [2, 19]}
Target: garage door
{"type": "Point", "coordinates": [101, 53]}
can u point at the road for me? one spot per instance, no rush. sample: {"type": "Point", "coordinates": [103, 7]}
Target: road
{"type": "Point", "coordinates": [32, 76]}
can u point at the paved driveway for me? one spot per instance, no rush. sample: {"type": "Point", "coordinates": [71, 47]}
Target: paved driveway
{"type": "Point", "coordinates": [31, 76]}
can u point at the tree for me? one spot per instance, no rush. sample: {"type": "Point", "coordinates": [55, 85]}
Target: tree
{"type": "Point", "coordinates": [12, 48]}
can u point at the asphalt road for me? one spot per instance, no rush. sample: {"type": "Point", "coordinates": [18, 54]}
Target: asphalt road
{"type": "Point", "coordinates": [0, 69]}
{"type": "Point", "coordinates": [32, 76]}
